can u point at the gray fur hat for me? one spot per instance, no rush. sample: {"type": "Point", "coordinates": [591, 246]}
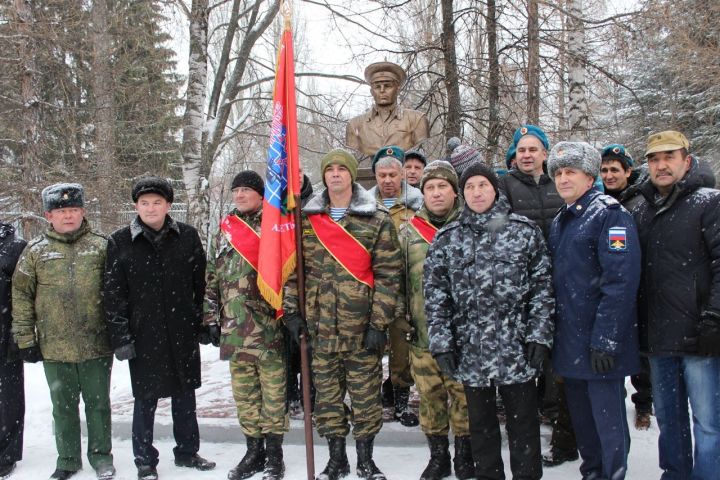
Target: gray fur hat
{"type": "Point", "coordinates": [579, 155]}
{"type": "Point", "coordinates": [63, 195]}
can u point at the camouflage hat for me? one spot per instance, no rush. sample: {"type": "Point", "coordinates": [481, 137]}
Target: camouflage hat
{"type": "Point", "coordinates": [152, 184]}
{"type": "Point", "coordinates": [63, 195]}
{"type": "Point", "coordinates": [666, 141]}
{"type": "Point", "coordinates": [391, 151]}
{"type": "Point", "coordinates": [578, 155]}
{"type": "Point", "coordinates": [385, 71]}
{"type": "Point", "coordinates": [342, 157]}
{"type": "Point", "coordinates": [440, 169]}
{"type": "Point", "coordinates": [618, 152]}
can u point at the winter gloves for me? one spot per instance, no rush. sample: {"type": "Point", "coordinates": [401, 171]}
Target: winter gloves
{"type": "Point", "coordinates": [447, 363]}
{"type": "Point", "coordinates": [375, 340]}
{"type": "Point", "coordinates": [709, 337]}
{"type": "Point", "coordinates": [601, 362]}
{"type": "Point", "coordinates": [296, 326]}
{"type": "Point", "coordinates": [537, 353]}
{"type": "Point", "coordinates": [31, 354]}
{"type": "Point", "coordinates": [126, 352]}
{"type": "Point", "coordinates": [210, 335]}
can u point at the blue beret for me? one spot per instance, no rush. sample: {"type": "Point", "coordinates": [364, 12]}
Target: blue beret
{"type": "Point", "coordinates": [521, 132]}
{"type": "Point", "coordinates": [618, 152]}
{"type": "Point", "coordinates": [392, 151]}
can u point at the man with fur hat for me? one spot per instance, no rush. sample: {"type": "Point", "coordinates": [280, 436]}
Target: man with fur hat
{"type": "Point", "coordinates": [352, 259]}
{"type": "Point", "coordinates": [441, 205]}
{"type": "Point", "coordinates": [489, 308]}
{"type": "Point", "coordinates": [58, 319]}
{"type": "Point", "coordinates": [251, 337]}
{"type": "Point", "coordinates": [153, 295]}
{"type": "Point", "coordinates": [402, 200]}
{"type": "Point", "coordinates": [386, 123]}
{"type": "Point", "coordinates": [596, 272]}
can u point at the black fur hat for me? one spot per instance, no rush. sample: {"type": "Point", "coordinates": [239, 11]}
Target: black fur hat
{"type": "Point", "coordinates": [156, 185]}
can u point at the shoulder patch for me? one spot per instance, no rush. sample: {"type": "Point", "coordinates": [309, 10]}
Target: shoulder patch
{"type": "Point", "coordinates": [617, 239]}
{"type": "Point", "coordinates": [609, 201]}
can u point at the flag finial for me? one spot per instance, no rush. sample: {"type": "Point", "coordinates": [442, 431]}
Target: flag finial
{"type": "Point", "coordinates": [286, 9]}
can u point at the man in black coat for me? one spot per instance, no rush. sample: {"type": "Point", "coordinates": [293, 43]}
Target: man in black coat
{"type": "Point", "coordinates": [12, 391]}
{"type": "Point", "coordinates": [153, 295]}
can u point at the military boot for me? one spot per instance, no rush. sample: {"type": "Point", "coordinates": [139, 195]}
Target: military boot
{"type": "Point", "coordinates": [366, 468]}
{"type": "Point", "coordinates": [274, 466]}
{"type": "Point", "coordinates": [439, 465]}
{"type": "Point", "coordinates": [463, 461]}
{"type": "Point", "coordinates": [403, 414]}
{"type": "Point", "coordinates": [253, 461]}
{"type": "Point", "coordinates": [338, 465]}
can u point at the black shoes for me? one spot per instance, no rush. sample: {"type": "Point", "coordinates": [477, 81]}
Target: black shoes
{"type": "Point", "coordinates": [439, 465]}
{"type": "Point", "coordinates": [147, 472]}
{"type": "Point", "coordinates": [463, 461]}
{"type": "Point", "coordinates": [366, 467]}
{"type": "Point", "coordinates": [557, 457]}
{"type": "Point", "coordinates": [274, 466]}
{"type": "Point", "coordinates": [253, 461]}
{"type": "Point", "coordinates": [403, 413]}
{"type": "Point", "coordinates": [338, 465]}
{"type": "Point", "coordinates": [194, 461]}
{"type": "Point", "coordinates": [60, 474]}
{"type": "Point", "coordinates": [105, 472]}
{"type": "Point", "coordinates": [6, 470]}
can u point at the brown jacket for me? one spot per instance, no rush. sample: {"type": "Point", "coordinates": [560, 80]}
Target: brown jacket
{"type": "Point", "coordinates": [368, 132]}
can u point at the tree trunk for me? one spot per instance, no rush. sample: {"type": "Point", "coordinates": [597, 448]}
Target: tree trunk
{"type": "Point", "coordinates": [494, 84]}
{"type": "Point", "coordinates": [533, 64]}
{"type": "Point", "coordinates": [452, 85]}
{"type": "Point", "coordinates": [577, 102]}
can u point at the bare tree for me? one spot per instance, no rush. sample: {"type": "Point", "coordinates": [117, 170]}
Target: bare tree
{"type": "Point", "coordinates": [577, 104]}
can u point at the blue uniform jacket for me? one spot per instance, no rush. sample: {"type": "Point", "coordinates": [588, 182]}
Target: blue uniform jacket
{"type": "Point", "coordinates": [596, 273]}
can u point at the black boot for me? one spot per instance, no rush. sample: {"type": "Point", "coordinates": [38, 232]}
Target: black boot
{"type": "Point", "coordinates": [403, 414]}
{"type": "Point", "coordinates": [253, 461]}
{"type": "Point", "coordinates": [366, 468]}
{"type": "Point", "coordinates": [463, 462]}
{"type": "Point", "coordinates": [274, 466]}
{"type": "Point", "coordinates": [338, 465]}
{"type": "Point", "coordinates": [387, 394]}
{"type": "Point", "coordinates": [439, 465]}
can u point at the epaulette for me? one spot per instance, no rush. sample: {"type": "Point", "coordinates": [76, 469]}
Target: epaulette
{"type": "Point", "coordinates": [609, 201]}
{"type": "Point", "coordinates": [37, 240]}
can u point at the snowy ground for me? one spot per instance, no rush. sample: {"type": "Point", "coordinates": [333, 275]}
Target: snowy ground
{"type": "Point", "coordinates": [400, 452]}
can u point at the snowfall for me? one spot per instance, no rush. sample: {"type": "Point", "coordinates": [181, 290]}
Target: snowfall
{"type": "Point", "coordinates": [400, 452]}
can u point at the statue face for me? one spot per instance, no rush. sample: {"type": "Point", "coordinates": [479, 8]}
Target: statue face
{"type": "Point", "coordinates": [384, 92]}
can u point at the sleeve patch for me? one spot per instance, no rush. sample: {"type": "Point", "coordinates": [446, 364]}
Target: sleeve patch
{"type": "Point", "coordinates": [617, 239]}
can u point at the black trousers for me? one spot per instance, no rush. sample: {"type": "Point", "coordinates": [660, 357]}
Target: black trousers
{"type": "Point", "coordinates": [523, 429]}
{"type": "Point", "coordinates": [185, 428]}
{"type": "Point", "coordinates": [12, 411]}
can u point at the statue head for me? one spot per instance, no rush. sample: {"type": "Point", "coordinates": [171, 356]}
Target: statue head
{"type": "Point", "coordinates": [385, 80]}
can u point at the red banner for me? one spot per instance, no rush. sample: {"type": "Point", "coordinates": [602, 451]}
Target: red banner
{"type": "Point", "coordinates": [426, 230]}
{"type": "Point", "coordinates": [243, 238]}
{"type": "Point", "coordinates": [277, 255]}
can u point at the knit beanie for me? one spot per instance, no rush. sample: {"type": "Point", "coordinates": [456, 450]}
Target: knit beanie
{"type": "Point", "coordinates": [152, 184]}
{"type": "Point", "coordinates": [250, 179]}
{"type": "Point", "coordinates": [528, 129]}
{"type": "Point", "coordinates": [579, 155]}
{"type": "Point", "coordinates": [440, 169]}
{"type": "Point", "coordinates": [342, 157]}
{"type": "Point", "coordinates": [481, 169]}
{"type": "Point", "coordinates": [391, 151]}
{"type": "Point", "coordinates": [63, 195]}
{"type": "Point", "coordinates": [415, 155]}
{"type": "Point", "coordinates": [619, 153]}
{"type": "Point", "coordinates": [461, 156]}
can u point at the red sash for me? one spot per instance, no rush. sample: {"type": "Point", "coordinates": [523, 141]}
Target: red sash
{"type": "Point", "coordinates": [426, 230]}
{"type": "Point", "coordinates": [243, 238]}
{"type": "Point", "coordinates": [344, 248]}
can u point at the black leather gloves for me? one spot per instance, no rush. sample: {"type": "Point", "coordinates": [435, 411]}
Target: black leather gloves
{"type": "Point", "coordinates": [126, 352]}
{"type": "Point", "coordinates": [375, 340]}
{"type": "Point", "coordinates": [31, 354]}
{"type": "Point", "coordinates": [537, 353]}
{"type": "Point", "coordinates": [709, 338]}
{"type": "Point", "coordinates": [296, 326]}
{"type": "Point", "coordinates": [601, 362]}
{"type": "Point", "coordinates": [210, 335]}
{"type": "Point", "coordinates": [447, 363]}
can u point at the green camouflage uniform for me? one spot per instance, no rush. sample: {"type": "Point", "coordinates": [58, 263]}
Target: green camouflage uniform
{"type": "Point", "coordinates": [434, 387]}
{"type": "Point", "coordinates": [251, 337]}
{"type": "Point", "coordinates": [57, 305]}
{"type": "Point", "coordinates": [339, 310]}
{"type": "Point", "coordinates": [407, 203]}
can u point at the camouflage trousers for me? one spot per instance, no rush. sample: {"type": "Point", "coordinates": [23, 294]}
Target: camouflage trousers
{"type": "Point", "coordinates": [442, 400]}
{"type": "Point", "coordinates": [259, 390]}
{"type": "Point", "coordinates": [358, 373]}
{"type": "Point", "coordinates": [399, 363]}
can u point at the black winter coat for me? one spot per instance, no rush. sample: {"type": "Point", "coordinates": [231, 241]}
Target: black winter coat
{"type": "Point", "coordinates": [680, 239]}
{"type": "Point", "coordinates": [537, 201]}
{"type": "Point", "coordinates": [10, 249]}
{"type": "Point", "coordinates": [153, 296]}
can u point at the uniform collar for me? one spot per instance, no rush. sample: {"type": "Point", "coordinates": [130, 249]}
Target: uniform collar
{"type": "Point", "coordinates": [397, 112]}
{"type": "Point", "coordinates": [580, 206]}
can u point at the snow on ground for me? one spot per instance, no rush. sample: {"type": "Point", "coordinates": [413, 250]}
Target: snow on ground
{"type": "Point", "coordinates": [405, 459]}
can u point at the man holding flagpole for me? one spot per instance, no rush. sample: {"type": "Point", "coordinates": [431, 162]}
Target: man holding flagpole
{"type": "Point", "coordinates": [251, 338]}
{"type": "Point", "coordinates": [352, 262]}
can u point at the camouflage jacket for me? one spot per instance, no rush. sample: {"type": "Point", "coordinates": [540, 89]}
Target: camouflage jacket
{"type": "Point", "coordinates": [414, 252]}
{"type": "Point", "coordinates": [56, 295]}
{"type": "Point", "coordinates": [339, 308]}
{"type": "Point", "coordinates": [488, 290]}
{"type": "Point", "coordinates": [232, 300]}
